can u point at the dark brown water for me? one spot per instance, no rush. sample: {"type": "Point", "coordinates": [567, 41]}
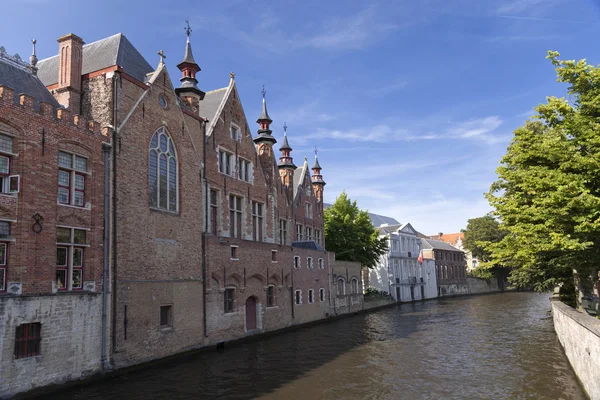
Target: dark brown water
{"type": "Point", "coordinates": [499, 346]}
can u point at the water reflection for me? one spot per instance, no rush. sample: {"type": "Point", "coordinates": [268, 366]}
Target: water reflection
{"type": "Point", "coordinates": [489, 347]}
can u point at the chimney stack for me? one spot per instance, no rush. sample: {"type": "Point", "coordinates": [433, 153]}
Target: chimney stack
{"type": "Point", "coordinates": [70, 63]}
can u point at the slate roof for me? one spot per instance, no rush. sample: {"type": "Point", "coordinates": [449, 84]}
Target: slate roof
{"type": "Point", "coordinates": [188, 57]}
{"type": "Point", "coordinates": [20, 78]}
{"type": "Point", "coordinates": [210, 105]}
{"type": "Point", "coordinates": [437, 245]}
{"type": "Point", "coordinates": [113, 50]}
{"type": "Point", "coordinates": [307, 244]}
{"type": "Point", "coordinates": [299, 176]}
{"type": "Point", "coordinates": [378, 220]}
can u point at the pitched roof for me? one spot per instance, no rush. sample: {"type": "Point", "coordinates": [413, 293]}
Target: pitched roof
{"type": "Point", "coordinates": [451, 238]}
{"type": "Point", "coordinates": [188, 57]}
{"type": "Point", "coordinates": [18, 76]}
{"type": "Point", "coordinates": [211, 103]}
{"type": "Point", "coordinates": [299, 174]}
{"type": "Point", "coordinates": [437, 245]}
{"type": "Point", "coordinates": [377, 220]}
{"type": "Point", "coordinates": [383, 230]}
{"type": "Point", "coordinates": [104, 53]}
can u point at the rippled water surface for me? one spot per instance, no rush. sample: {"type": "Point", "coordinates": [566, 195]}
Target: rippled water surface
{"type": "Point", "coordinates": [499, 346]}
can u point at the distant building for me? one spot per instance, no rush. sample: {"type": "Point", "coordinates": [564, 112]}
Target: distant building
{"type": "Point", "coordinates": [346, 286]}
{"type": "Point", "coordinates": [450, 266]}
{"type": "Point", "coordinates": [456, 240]}
{"type": "Point", "coordinates": [399, 271]}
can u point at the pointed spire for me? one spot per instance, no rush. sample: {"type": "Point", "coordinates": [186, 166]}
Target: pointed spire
{"type": "Point", "coordinates": [189, 68]}
{"type": "Point", "coordinates": [264, 115]}
{"type": "Point", "coordinates": [188, 57]}
{"type": "Point", "coordinates": [316, 164]}
{"type": "Point", "coordinates": [285, 145]}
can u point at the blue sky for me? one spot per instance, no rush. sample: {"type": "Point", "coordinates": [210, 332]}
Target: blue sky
{"type": "Point", "coordinates": [411, 103]}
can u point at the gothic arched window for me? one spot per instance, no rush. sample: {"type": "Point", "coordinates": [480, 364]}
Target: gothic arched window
{"type": "Point", "coordinates": [162, 171]}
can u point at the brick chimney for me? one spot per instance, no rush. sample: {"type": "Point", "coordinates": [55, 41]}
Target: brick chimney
{"type": "Point", "coordinates": [70, 61]}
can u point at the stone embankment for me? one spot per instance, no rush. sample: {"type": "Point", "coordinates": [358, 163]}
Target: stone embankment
{"type": "Point", "coordinates": [579, 334]}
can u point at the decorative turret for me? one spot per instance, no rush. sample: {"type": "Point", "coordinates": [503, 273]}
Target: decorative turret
{"type": "Point", "coordinates": [286, 163]}
{"type": "Point", "coordinates": [264, 137]}
{"type": "Point", "coordinates": [317, 179]}
{"type": "Point", "coordinates": [189, 91]}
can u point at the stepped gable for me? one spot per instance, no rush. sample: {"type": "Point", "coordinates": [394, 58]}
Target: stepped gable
{"type": "Point", "coordinates": [104, 53]}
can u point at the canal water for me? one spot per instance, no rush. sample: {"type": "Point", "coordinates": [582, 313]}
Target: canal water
{"type": "Point", "coordinates": [499, 346]}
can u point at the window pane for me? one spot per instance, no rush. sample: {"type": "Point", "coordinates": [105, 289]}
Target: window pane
{"type": "Point", "coordinates": [63, 235]}
{"type": "Point", "coordinates": [172, 184]}
{"type": "Point", "coordinates": [154, 141]}
{"type": "Point", "coordinates": [79, 236]}
{"type": "Point", "coordinates": [163, 181]}
{"type": "Point", "coordinates": [2, 254]}
{"type": "Point", "coordinates": [61, 256]}
{"type": "Point", "coordinates": [63, 195]}
{"type": "Point", "coordinates": [65, 159]}
{"type": "Point", "coordinates": [81, 164]}
{"type": "Point", "coordinates": [79, 182]}
{"type": "Point", "coordinates": [61, 278]}
{"type": "Point", "coordinates": [171, 148]}
{"type": "Point", "coordinates": [77, 257]}
{"type": "Point", "coordinates": [152, 174]}
{"type": "Point", "coordinates": [6, 143]}
{"type": "Point", "coordinates": [63, 178]}
{"type": "Point", "coordinates": [2, 279]}
{"type": "Point", "coordinates": [77, 276]}
{"type": "Point", "coordinates": [4, 229]}
{"type": "Point", "coordinates": [4, 165]}
{"type": "Point", "coordinates": [163, 143]}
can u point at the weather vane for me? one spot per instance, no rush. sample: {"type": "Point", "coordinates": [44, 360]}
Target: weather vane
{"type": "Point", "coordinates": [316, 151]}
{"type": "Point", "coordinates": [187, 29]}
{"type": "Point", "coordinates": [264, 92]}
{"type": "Point", "coordinates": [284, 127]}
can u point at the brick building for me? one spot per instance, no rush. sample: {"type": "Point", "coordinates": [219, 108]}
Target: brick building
{"type": "Point", "coordinates": [450, 266]}
{"type": "Point", "coordinates": [51, 233]}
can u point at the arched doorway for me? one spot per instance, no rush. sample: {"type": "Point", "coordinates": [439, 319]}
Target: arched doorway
{"type": "Point", "coordinates": [250, 313]}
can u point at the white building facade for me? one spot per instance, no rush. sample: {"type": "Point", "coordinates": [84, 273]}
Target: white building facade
{"type": "Point", "coordinates": [399, 272]}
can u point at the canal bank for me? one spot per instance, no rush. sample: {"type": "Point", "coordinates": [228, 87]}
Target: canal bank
{"type": "Point", "coordinates": [500, 346]}
{"type": "Point", "coordinates": [579, 335]}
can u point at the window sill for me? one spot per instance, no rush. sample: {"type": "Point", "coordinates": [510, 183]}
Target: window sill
{"type": "Point", "coordinates": [271, 307]}
{"type": "Point", "coordinates": [160, 210]}
{"type": "Point", "coordinates": [15, 195]}
{"type": "Point", "coordinates": [235, 259]}
{"type": "Point", "coordinates": [166, 329]}
{"type": "Point", "coordinates": [87, 207]}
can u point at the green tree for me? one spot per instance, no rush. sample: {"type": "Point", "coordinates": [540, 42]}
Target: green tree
{"type": "Point", "coordinates": [548, 190]}
{"type": "Point", "coordinates": [480, 232]}
{"type": "Point", "coordinates": [351, 235]}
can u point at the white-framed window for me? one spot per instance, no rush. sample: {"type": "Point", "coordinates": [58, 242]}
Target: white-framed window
{"type": "Point", "coordinates": [245, 170]}
{"type": "Point", "coordinates": [298, 232]}
{"type": "Point", "coordinates": [311, 296]}
{"type": "Point", "coordinates": [309, 263]}
{"type": "Point", "coordinates": [235, 216]}
{"type": "Point", "coordinates": [296, 261]}
{"type": "Point", "coordinates": [234, 252]}
{"type": "Point", "coordinates": [236, 132]}
{"type": "Point", "coordinates": [70, 250]}
{"type": "Point", "coordinates": [225, 162]}
{"type": "Point", "coordinates": [162, 171]}
{"type": "Point", "coordinates": [308, 233]}
{"type": "Point", "coordinates": [9, 184]}
{"type": "Point", "coordinates": [308, 210]}
{"type": "Point", "coordinates": [4, 234]}
{"type": "Point", "coordinates": [214, 212]}
{"type": "Point", "coordinates": [282, 231]}
{"type": "Point", "coordinates": [403, 244]}
{"type": "Point", "coordinates": [354, 286]}
{"type": "Point", "coordinates": [257, 221]}
{"type": "Point", "coordinates": [341, 286]}
{"type": "Point", "coordinates": [298, 296]}
{"type": "Point", "coordinates": [394, 245]}
{"type": "Point", "coordinates": [321, 294]}
{"type": "Point", "coordinates": [321, 265]}
{"type": "Point", "coordinates": [72, 173]}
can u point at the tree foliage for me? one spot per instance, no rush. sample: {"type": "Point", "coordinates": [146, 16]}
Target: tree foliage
{"type": "Point", "coordinates": [351, 235]}
{"type": "Point", "coordinates": [548, 190]}
{"type": "Point", "coordinates": [480, 232]}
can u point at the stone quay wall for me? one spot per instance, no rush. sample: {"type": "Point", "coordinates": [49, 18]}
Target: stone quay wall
{"type": "Point", "coordinates": [579, 335]}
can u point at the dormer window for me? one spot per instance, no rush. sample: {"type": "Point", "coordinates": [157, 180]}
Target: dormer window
{"type": "Point", "coordinates": [236, 133]}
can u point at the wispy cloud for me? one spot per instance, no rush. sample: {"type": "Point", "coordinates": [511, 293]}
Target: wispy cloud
{"type": "Point", "coordinates": [543, 19]}
{"type": "Point", "coordinates": [388, 88]}
{"type": "Point", "coordinates": [519, 6]}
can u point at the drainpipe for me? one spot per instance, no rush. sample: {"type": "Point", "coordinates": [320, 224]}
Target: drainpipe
{"type": "Point", "coordinates": [114, 213]}
{"type": "Point", "coordinates": [105, 243]}
{"type": "Point", "coordinates": [205, 141]}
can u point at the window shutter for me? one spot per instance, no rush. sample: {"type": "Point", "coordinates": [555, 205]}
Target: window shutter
{"type": "Point", "coordinates": [14, 183]}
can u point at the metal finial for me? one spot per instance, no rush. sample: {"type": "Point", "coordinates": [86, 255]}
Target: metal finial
{"type": "Point", "coordinates": [33, 59]}
{"type": "Point", "coordinates": [264, 92]}
{"type": "Point", "coordinates": [231, 75]}
{"type": "Point", "coordinates": [187, 28]}
{"type": "Point", "coordinates": [284, 128]}
{"type": "Point", "coordinates": [162, 56]}
{"type": "Point", "coordinates": [316, 151]}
